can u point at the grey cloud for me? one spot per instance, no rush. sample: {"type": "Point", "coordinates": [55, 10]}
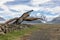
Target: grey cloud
{"type": "Point", "coordinates": [18, 2]}
{"type": "Point", "coordinates": [1, 9]}
{"type": "Point", "coordinates": [50, 4]}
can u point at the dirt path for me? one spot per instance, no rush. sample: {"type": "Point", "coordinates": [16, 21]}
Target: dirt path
{"type": "Point", "coordinates": [46, 33]}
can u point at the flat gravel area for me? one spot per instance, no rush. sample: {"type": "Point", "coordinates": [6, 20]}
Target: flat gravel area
{"type": "Point", "coordinates": [45, 32]}
{"type": "Point", "coordinates": [52, 33]}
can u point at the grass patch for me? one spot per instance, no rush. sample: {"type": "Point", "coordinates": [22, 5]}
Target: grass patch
{"type": "Point", "coordinates": [14, 34]}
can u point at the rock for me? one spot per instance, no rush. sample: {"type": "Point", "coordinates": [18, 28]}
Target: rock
{"type": "Point", "coordinates": [5, 28]}
{"type": "Point", "coordinates": [1, 31]}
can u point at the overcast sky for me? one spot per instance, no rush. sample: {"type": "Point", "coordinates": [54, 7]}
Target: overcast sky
{"type": "Point", "coordinates": [15, 8]}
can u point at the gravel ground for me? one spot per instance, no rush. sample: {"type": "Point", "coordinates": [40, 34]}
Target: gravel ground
{"type": "Point", "coordinates": [45, 33]}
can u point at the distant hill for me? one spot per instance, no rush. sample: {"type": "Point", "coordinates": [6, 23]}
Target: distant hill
{"type": "Point", "coordinates": [55, 20]}
{"type": "Point", "coordinates": [31, 22]}
{"type": "Point", "coordinates": [2, 19]}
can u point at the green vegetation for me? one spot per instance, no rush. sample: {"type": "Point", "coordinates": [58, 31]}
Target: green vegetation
{"type": "Point", "coordinates": [17, 33]}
